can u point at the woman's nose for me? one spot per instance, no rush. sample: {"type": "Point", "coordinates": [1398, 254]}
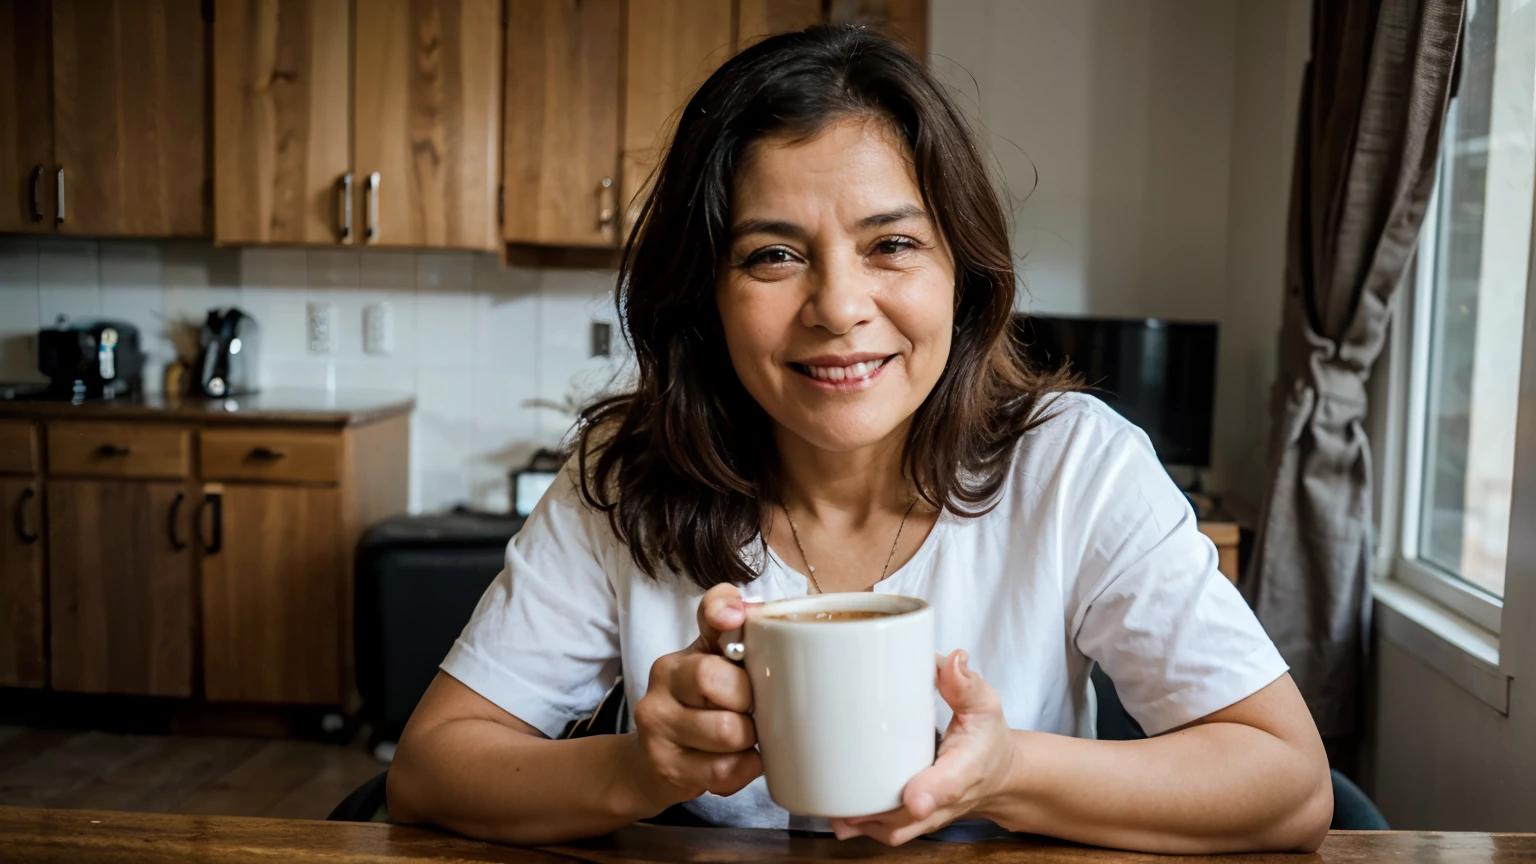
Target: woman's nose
{"type": "Point", "coordinates": [842, 296]}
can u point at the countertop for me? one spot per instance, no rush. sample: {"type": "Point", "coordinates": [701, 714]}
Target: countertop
{"type": "Point", "coordinates": [288, 407]}
{"type": "Point", "coordinates": [72, 836]}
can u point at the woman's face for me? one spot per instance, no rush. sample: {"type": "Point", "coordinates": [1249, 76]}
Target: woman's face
{"type": "Point", "coordinates": [837, 293]}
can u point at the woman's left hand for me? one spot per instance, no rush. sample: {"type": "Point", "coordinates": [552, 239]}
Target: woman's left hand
{"type": "Point", "coordinates": [974, 761]}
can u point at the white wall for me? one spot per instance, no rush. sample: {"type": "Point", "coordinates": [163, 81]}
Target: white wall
{"type": "Point", "coordinates": [1162, 136]}
{"type": "Point", "coordinates": [474, 343]}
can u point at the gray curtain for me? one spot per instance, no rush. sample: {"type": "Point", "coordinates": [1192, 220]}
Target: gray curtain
{"type": "Point", "coordinates": [1372, 111]}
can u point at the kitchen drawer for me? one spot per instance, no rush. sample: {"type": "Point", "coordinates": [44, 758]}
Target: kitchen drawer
{"type": "Point", "coordinates": [117, 450]}
{"type": "Point", "coordinates": [271, 454]}
{"type": "Point", "coordinates": [18, 447]}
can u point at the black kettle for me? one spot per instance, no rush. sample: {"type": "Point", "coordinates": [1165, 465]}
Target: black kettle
{"type": "Point", "coordinates": [227, 363]}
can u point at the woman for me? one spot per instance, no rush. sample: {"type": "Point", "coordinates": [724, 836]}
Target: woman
{"type": "Point", "coordinates": [819, 296]}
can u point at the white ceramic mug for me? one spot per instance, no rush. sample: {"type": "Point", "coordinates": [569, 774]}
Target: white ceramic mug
{"type": "Point", "coordinates": [844, 709]}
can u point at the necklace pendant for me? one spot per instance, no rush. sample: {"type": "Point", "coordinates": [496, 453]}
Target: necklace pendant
{"type": "Point", "coordinates": [809, 567]}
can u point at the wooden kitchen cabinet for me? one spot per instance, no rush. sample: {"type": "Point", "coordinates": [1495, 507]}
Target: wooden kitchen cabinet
{"type": "Point", "coordinates": [427, 110]}
{"type": "Point", "coordinates": [282, 121]}
{"type": "Point", "coordinates": [23, 656]}
{"type": "Point", "coordinates": [120, 570]}
{"type": "Point", "coordinates": [561, 135]}
{"type": "Point", "coordinates": [906, 20]}
{"type": "Point", "coordinates": [672, 46]}
{"type": "Point", "coordinates": [271, 601]}
{"type": "Point", "coordinates": [130, 117]}
{"type": "Point", "coordinates": [26, 118]}
{"type": "Point", "coordinates": [757, 19]}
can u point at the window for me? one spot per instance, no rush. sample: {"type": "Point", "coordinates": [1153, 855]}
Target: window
{"type": "Point", "coordinates": [1467, 318]}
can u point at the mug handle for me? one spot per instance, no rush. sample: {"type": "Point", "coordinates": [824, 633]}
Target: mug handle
{"type": "Point", "coordinates": [732, 645]}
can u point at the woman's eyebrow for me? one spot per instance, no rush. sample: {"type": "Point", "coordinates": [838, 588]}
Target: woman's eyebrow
{"type": "Point", "coordinates": [790, 229]}
{"type": "Point", "coordinates": [907, 211]}
{"type": "Point", "coordinates": [768, 226]}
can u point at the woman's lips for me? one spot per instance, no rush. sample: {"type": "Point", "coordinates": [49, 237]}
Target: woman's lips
{"type": "Point", "coordinates": [856, 373]}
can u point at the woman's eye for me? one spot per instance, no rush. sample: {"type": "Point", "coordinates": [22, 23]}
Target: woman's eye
{"type": "Point", "coordinates": [770, 257]}
{"type": "Point", "coordinates": [894, 245]}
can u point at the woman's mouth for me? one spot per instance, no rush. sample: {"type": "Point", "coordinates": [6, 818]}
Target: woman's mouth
{"type": "Point", "coordinates": [842, 374]}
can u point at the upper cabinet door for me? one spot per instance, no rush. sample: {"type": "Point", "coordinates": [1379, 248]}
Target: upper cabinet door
{"type": "Point", "coordinates": [26, 121]}
{"type": "Point", "coordinates": [428, 118]}
{"type": "Point", "coordinates": [758, 19]}
{"type": "Point", "coordinates": [562, 122]}
{"type": "Point", "coordinates": [673, 45]}
{"type": "Point", "coordinates": [282, 121]}
{"type": "Point", "coordinates": [130, 117]}
{"type": "Point", "coordinates": [906, 20]}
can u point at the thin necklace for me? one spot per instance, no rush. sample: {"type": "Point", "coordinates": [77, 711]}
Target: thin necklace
{"type": "Point", "coordinates": [811, 568]}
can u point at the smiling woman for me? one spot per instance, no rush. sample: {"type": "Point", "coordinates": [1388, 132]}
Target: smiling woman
{"type": "Point", "coordinates": [819, 293]}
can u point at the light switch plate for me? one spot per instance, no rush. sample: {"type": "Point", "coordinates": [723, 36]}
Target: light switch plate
{"type": "Point", "coordinates": [378, 328]}
{"type": "Point", "coordinates": [320, 328]}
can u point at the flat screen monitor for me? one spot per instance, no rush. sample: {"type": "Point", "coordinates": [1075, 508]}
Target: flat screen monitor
{"type": "Point", "coordinates": [1160, 375]}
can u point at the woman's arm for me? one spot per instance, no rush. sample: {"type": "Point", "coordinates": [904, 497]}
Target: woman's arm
{"type": "Point", "coordinates": [469, 766]}
{"type": "Point", "coordinates": [1250, 777]}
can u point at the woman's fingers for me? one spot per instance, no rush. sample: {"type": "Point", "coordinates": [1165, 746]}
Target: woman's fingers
{"type": "Point", "coordinates": [694, 772]}
{"type": "Point", "coordinates": [710, 681]}
{"type": "Point", "coordinates": [720, 610]}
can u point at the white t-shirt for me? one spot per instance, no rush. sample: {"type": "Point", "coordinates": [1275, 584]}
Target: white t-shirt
{"type": "Point", "coordinates": [1091, 554]}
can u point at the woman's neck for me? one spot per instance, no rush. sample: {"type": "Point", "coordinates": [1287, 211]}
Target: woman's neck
{"type": "Point", "coordinates": [847, 487]}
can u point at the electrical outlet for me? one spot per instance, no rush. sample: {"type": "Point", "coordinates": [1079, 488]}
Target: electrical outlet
{"type": "Point", "coordinates": [320, 324]}
{"type": "Point", "coordinates": [378, 328]}
{"type": "Point", "coordinates": [602, 339]}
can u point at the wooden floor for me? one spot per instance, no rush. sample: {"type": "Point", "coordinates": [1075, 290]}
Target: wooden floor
{"type": "Point", "coordinates": [177, 774]}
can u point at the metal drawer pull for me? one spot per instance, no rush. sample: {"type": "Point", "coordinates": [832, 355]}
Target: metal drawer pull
{"type": "Point", "coordinates": [36, 197]}
{"type": "Point", "coordinates": [27, 535]}
{"type": "Point", "coordinates": [176, 542]}
{"type": "Point", "coordinates": [346, 206]}
{"type": "Point", "coordinates": [216, 500]}
{"type": "Point", "coordinates": [267, 454]}
{"type": "Point", "coordinates": [58, 194]}
{"type": "Point", "coordinates": [371, 191]}
{"type": "Point", "coordinates": [110, 450]}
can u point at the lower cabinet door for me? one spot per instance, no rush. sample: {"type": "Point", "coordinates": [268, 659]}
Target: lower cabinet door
{"type": "Point", "coordinates": [273, 578]}
{"type": "Point", "coordinates": [23, 656]}
{"type": "Point", "coordinates": [120, 586]}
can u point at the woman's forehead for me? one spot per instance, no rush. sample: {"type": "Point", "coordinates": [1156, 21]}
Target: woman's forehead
{"type": "Point", "coordinates": [851, 170]}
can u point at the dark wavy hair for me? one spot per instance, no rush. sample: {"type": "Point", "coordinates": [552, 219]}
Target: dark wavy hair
{"type": "Point", "coordinates": [684, 465]}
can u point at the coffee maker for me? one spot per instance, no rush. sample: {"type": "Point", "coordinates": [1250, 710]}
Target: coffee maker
{"type": "Point", "coordinates": [91, 359]}
{"type": "Point", "coordinates": [226, 365]}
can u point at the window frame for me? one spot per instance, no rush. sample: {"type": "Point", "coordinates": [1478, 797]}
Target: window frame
{"type": "Point", "coordinates": [1412, 344]}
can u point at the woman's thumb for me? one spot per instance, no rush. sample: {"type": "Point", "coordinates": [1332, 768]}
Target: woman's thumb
{"type": "Point", "coordinates": [963, 689]}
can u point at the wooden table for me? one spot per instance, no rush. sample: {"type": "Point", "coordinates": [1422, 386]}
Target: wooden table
{"type": "Point", "coordinates": [76, 836]}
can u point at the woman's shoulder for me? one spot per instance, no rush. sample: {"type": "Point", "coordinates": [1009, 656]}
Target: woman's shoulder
{"type": "Point", "coordinates": [1080, 437]}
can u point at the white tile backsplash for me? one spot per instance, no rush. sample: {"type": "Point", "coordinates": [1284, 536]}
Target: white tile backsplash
{"type": "Point", "coordinates": [477, 345]}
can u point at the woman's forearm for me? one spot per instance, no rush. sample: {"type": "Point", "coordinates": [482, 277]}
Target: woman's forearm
{"type": "Point", "coordinates": [482, 779]}
{"type": "Point", "coordinates": [1217, 787]}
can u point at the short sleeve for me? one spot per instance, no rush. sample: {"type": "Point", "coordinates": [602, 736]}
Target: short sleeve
{"type": "Point", "coordinates": [1152, 610]}
{"type": "Point", "coordinates": [543, 641]}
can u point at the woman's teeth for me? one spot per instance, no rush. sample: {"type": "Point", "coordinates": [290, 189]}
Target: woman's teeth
{"type": "Point", "coordinates": [844, 373]}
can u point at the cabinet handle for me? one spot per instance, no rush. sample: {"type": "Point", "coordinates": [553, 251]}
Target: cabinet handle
{"type": "Point", "coordinates": [216, 501]}
{"type": "Point", "coordinates": [110, 450]}
{"type": "Point", "coordinates": [176, 542]}
{"type": "Point", "coordinates": [371, 193]}
{"type": "Point", "coordinates": [35, 198]}
{"type": "Point", "coordinates": [606, 207]}
{"type": "Point", "coordinates": [346, 207]}
{"type": "Point", "coordinates": [58, 196]}
{"type": "Point", "coordinates": [27, 536]}
{"type": "Point", "coordinates": [267, 454]}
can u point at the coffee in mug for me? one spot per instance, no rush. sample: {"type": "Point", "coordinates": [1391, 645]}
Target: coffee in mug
{"type": "Point", "coordinates": [843, 699]}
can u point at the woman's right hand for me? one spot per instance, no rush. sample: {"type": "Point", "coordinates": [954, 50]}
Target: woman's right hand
{"type": "Point", "coordinates": [694, 734]}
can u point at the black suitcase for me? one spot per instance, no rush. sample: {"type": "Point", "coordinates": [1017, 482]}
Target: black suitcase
{"type": "Point", "coordinates": [418, 580]}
